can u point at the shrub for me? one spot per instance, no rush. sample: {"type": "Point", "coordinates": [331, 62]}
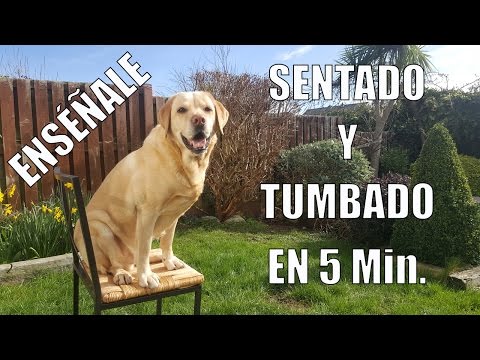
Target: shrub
{"type": "Point", "coordinates": [361, 114]}
{"type": "Point", "coordinates": [471, 166]}
{"type": "Point", "coordinates": [453, 230]}
{"type": "Point", "coordinates": [322, 162]}
{"type": "Point", "coordinates": [375, 232]}
{"type": "Point", "coordinates": [394, 160]}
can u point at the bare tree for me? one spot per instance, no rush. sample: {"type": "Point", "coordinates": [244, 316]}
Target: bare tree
{"type": "Point", "coordinates": [16, 65]}
{"type": "Point", "coordinates": [472, 86]}
{"type": "Point", "coordinates": [437, 80]}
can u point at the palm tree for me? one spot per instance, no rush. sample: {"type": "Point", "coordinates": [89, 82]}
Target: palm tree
{"type": "Point", "coordinates": [398, 55]}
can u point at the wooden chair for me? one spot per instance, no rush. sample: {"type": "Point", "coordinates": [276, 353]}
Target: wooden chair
{"type": "Point", "coordinates": [105, 294]}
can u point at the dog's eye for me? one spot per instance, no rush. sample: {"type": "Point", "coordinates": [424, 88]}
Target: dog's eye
{"type": "Point", "coordinates": [207, 109]}
{"type": "Point", "coordinates": [181, 110]}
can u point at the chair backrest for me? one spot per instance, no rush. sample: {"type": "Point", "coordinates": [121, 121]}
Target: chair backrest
{"type": "Point", "coordinates": [89, 274]}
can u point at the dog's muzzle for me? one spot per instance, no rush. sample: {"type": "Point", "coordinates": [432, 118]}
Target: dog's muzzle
{"type": "Point", "coordinates": [197, 144]}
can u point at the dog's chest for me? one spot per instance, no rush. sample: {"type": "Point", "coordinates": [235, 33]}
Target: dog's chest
{"type": "Point", "coordinates": [179, 203]}
{"type": "Point", "coordinates": [182, 190]}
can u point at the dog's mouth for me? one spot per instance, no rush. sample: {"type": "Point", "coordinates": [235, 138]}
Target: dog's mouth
{"type": "Point", "coordinates": [197, 144]}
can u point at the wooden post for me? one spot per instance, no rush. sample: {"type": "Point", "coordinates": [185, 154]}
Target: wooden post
{"type": "Point", "coordinates": [7, 112]}
{"type": "Point", "coordinates": [93, 150]}
{"type": "Point", "coordinates": [79, 161]}
{"type": "Point", "coordinates": [26, 127]}
{"type": "Point", "coordinates": [43, 118]}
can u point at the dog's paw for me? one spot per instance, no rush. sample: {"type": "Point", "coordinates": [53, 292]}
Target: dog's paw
{"type": "Point", "coordinates": [148, 279]}
{"type": "Point", "coordinates": [122, 278]}
{"type": "Point", "coordinates": [172, 263]}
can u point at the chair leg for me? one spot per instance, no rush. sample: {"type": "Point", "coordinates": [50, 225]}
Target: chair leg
{"type": "Point", "coordinates": [75, 293]}
{"type": "Point", "coordinates": [159, 306]}
{"type": "Point", "coordinates": [198, 299]}
{"type": "Point", "coordinates": [97, 310]}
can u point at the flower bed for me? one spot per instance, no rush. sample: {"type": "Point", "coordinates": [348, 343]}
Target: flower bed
{"type": "Point", "coordinates": [32, 233]}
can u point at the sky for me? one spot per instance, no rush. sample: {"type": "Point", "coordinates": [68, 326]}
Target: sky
{"type": "Point", "coordinates": [86, 63]}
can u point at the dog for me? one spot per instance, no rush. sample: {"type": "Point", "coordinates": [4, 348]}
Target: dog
{"type": "Point", "coordinates": [144, 195]}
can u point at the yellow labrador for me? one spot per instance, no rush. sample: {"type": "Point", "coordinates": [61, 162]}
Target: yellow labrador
{"type": "Point", "coordinates": [146, 192]}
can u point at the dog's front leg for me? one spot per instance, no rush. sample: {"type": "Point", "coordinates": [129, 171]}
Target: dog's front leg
{"type": "Point", "coordinates": [170, 261]}
{"type": "Point", "coordinates": [144, 230]}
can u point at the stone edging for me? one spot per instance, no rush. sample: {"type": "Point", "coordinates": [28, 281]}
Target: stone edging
{"type": "Point", "coordinates": [467, 279]}
{"type": "Point", "coordinates": [20, 270]}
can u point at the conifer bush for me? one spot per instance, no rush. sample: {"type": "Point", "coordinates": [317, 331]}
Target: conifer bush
{"type": "Point", "coordinates": [471, 166]}
{"type": "Point", "coordinates": [453, 230]}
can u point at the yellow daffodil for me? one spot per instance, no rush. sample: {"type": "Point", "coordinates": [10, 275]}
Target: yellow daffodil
{"type": "Point", "coordinates": [2, 195]}
{"type": "Point", "coordinates": [58, 213]}
{"type": "Point", "coordinates": [15, 217]}
{"type": "Point", "coordinates": [11, 192]}
{"type": "Point", "coordinates": [7, 210]}
{"type": "Point", "coordinates": [45, 209]}
{"type": "Point", "coordinates": [74, 210]}
{"type": "Point", "coordinates": [69, 185]}
{"type": "Point", "coordinates": [59, 216]}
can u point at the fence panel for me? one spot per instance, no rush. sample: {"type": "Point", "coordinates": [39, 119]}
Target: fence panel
{"type": "Point", "coordinates": [43, 118]}
{"type": "Point", "coordinates": [134, 122]}
{"type": "Point", "coordinates": [158, 102]}
{"type": "Point", "coordinates": [147, 106]}
{"type": "Point", "coordinates": [92, 144]}
{"type": "Point", "coordinates": [311, 128]}
{"type": "Point", "coordinates": [26, 126]}
{"type": "Point", "coordinates": [108, 144]}
{"type": "Point", "coordinates": [7, 113]}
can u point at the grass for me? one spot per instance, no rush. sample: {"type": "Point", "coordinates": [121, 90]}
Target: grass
{"type": "Point", "coordinates": [234, 260]}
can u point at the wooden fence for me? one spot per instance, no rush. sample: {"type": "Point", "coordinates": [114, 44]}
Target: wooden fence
{"type": "Point", "coordinates": [310, 128]}
{"type": "Point", "coordinates": [26, 106]}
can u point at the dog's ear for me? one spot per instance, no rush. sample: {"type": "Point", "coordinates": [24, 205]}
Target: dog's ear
{"type": "Point", "coordinates": [164, 115]}
{"type": "Point", "coordinates": [221, 115]}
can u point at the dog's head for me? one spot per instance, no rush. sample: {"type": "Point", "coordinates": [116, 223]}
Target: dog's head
{"type": "Point", "coordinates": [192, 118]}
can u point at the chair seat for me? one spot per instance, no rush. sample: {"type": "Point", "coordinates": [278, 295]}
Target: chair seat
{"type": "Point", "coordinates": [169, 280]}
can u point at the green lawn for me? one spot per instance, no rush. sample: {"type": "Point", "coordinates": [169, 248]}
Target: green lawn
{"type": "Point", "coordinates": [234, 260]}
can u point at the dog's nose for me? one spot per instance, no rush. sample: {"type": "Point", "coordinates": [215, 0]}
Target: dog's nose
{"type": "Point", "coordinates": [198, 120]}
